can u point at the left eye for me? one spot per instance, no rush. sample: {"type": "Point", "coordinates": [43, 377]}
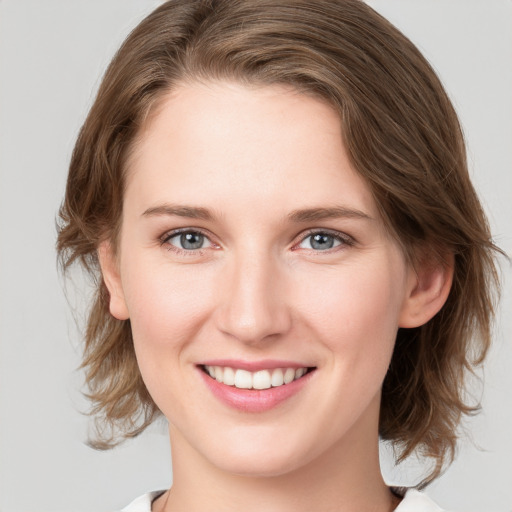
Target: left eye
{"type": "Point", "coordinates": [189, 240]}
{"type": "Point", "coordinates": [320, 241]}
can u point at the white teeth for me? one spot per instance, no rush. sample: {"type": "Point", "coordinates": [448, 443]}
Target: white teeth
{"type": "Point", "coordinates": [289, 375]}
{"type": "Point", "coordinates": [277, 378]}
{"type": "Point", "coordinates": [262, 379]}
{"type": "Point", "coordinates": [229, 376]}
{"type": "Point", "coordinates": [243, 379]}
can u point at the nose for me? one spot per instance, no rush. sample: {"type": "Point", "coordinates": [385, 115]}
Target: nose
{"type": "Point", "coordinates": [253, 306]}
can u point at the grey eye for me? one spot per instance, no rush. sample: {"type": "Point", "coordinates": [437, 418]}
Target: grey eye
{"type": "Point", "coordinates": [320, 242]}
{"type": "Point", "coordinates": [189, 240]}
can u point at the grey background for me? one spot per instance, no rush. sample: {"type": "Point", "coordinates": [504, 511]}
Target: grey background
{"type": "Point", "coordinates": [52, 54]}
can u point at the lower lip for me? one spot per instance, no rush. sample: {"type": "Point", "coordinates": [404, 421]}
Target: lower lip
{"type": "Point", "coordinates": [254, 400]}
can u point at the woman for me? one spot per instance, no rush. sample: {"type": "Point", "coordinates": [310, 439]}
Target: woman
{"type": "Point", "coordinates": [293, 260]}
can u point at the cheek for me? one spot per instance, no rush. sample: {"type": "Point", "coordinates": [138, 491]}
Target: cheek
{"type": "Point", "coordinates": [354, 315]}
{"type": "Point", "coordinates": [167, 312]}
{"type": "Point", "coordinates": [167, 306]}
{"type": "Point", "coordinates": [356, 309]}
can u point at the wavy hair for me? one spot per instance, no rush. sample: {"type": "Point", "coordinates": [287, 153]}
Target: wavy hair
{"type": "Point", "coordinates": [402, 136]}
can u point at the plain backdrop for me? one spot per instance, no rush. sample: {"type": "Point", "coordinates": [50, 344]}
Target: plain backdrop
{"type": "Point", "coordinates": [52, 55]}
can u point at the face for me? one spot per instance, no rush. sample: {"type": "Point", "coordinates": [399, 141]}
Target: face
{"type": "Point", "coordinates": [252, 251]}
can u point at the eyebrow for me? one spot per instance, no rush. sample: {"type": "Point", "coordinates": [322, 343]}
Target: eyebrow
{"type": "Point", "coordinates": [191, 212]}
{"type": "Point", "coordinates": [296, 216]}
{"type": "Point", "coordinates": [314, 214]}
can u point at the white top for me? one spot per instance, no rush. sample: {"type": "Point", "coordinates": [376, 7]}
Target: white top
{"type": "Point", "coordinates": [414, 501]}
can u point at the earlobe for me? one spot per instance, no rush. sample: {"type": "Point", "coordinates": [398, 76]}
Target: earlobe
{"type": "Point", "coordinates": [112, 279]}
{"type": "Point", "coordinates": [428, 289]}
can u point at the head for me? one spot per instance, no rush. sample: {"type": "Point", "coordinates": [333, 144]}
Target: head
{"type": "Point", "coordinates": [400, 134]}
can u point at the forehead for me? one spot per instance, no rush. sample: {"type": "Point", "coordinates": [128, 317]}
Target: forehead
{"type": "Point", "coordinates": [217, 141]}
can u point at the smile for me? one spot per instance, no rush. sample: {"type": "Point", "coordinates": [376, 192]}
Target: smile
{"type": "Point", "coordinates": [261, 379]}
{"type": "Point", "coordinates": [255, 387]}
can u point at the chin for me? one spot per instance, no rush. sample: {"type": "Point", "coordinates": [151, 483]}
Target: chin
{"type": "Point", "coordinates": [259, 468]}
{"type": "Point", "coordinates": [261, 460]}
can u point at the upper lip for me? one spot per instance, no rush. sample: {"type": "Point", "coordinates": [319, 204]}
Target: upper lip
{"type": "Point", "coordinates": [254, 366]}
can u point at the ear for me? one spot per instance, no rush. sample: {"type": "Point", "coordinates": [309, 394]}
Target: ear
{"type": "Point", "coordinates": [429, 285]}
{"type": "Point", "coordinates": [112, 279]}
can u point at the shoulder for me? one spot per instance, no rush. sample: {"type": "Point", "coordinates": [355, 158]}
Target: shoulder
{"type": "Point", "coordinates": [143, 503]}
{"type": "Point", "coordinates": [416, 501]}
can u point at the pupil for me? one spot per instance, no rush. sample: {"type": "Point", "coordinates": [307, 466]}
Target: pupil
{"type": "Point", "coordinates": [322, 242]}
{"type": "Point", "coordinates": [191, 240]}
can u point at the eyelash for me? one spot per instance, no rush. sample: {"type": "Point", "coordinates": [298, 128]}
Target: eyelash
{"type": "Point", "coordinates": [164, 241]}
{"type": "Point", "coordinates": [343, 239]}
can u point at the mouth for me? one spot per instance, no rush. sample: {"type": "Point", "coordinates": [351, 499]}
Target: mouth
{"type": "Point", "coordinates": [255, 380]}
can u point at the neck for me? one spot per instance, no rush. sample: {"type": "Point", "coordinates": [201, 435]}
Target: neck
{"type": "Point", "coordinates": [347, 478]}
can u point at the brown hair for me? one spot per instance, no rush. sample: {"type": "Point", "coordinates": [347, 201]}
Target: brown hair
{"type": "Point", "coordinates": [402, 135]}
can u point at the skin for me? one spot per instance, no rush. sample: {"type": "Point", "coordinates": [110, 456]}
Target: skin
{"type": "Point", "coordinates": [258, 290]}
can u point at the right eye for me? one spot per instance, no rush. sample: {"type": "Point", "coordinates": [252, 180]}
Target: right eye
{"type": "Point", "coordinates": [187, 241]}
